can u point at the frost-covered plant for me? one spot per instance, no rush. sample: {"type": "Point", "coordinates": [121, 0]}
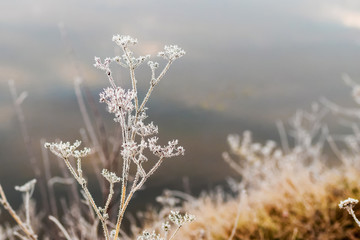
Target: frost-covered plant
{"type": "Point", "coordinates": [137, 136]}
{"type": "Point", "coordinates": [349, 204]}
{"type": "Point", "coordinates": [260, 164]}
{"type": "Point", "coordinates": [176, 218]}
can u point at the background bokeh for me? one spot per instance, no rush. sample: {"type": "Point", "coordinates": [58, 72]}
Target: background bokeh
{"type": "Point", "coordinates": [248, 64]}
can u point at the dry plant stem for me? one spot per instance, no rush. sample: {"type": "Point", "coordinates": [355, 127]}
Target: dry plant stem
{"type": "Point", "coordinates": [133, 190]}
{"type": "Point", "coordinates": [87, 121]}
{"type": "Point", "coordinates": [102, 220]}
{"type": "Point", "coordinates": [20, 236]}
{"type": "Point", "coordinates": [351, 212]}
{"type": "Point", "coordinates": [173, 235]}
{"type": "Point", "coordinates": [283, 138]}
{"type": "Point", "coordinates": [294, 235]}
{"type": "Point", "coordinates": [111, 193]}
{"type": "Point", "coordinates": [233, 231]}
{"type": "Point", "coordinates": [333, 146]}
{"type": "Point", "coordinates": [27, 207]}
{"type": "Point", "coordinates": [82, 183]}
{"type": "Point", "coordinates": [99, 123]}
{"type": "Point", "coordinates": [27, 141]}
{"type": "Point", "coordinates": [152, 87]}
{"type": "Point", "coordinates": [73, 193]}
{"type": "Point", "coordinates": [132, 76]}
{"type": "Point", "coordinates": [13, 214]}
{"type": "Point", "coordinates": [92, 215]}
{"type": "Point", "coordinates": [45, 158]}
{"type": "Point", "coordinates": [61, 227]}
{"type": "Point", "coordinates": [153, 83]}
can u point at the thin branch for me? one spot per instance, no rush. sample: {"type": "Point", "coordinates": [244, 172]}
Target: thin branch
{"type": "Point", "coordinates": [176, 231]}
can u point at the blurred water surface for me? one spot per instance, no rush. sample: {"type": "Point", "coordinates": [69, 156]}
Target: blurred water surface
{"type": "Point", "coordinates": [248, 63]}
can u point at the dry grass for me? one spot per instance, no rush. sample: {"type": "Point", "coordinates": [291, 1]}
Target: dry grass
{"type": "Point", "coordinates": [294, 206]}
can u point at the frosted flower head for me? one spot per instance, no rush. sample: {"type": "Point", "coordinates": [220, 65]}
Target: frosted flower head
{"type": "Point", "coordinates": [145, 130]}
{"type": "Point", "coordinates": [165, 226]}
{"type": "Point", "coordinates": [65, 149]}
{"type": "Point", "coordinates": [172, 52]}
{"type": "Point", "coordinates": [105, 66]}
{"type": "Point", "coordinates": [110, 176]}
{"type": "Point", "coordinates": [118, 100]}
{"type": "Point", "coordinates": [348, 203]}
{"type": "Point", "coordinates": [153, 65]}
{"type": "Point", "coordinates": [168, 151]}
{"type": "Point", "coordinates": [179, 219]}
{"type": "Point", "coordinates": [149, 236]}
{"type": "Point", "coordinates": [124, 40]}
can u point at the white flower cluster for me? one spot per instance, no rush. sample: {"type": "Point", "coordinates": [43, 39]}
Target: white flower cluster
{"type": "Point", "coordinates": [153, 65]}
{"type": "Point", "coordinates": [124, 40]}
{"type": "Point", "coordinates": [65, 150]}
{"type": "Point", "coordinates": [145, 130]}
{"type": "Point", "coordinates": [179, 219]}
{"type": "Point", "coordinates": [150, 236]}
{"type": "Point", "coordinates": [110, 176]}
{"type": "Point", "coordinates": [118, 101]}
{"type": "Point", "coordinates": [170, 150]}
{"type": "Point", "coordinates": [348, 203]}
{"type": "Point", "coordinates": [172, 52]}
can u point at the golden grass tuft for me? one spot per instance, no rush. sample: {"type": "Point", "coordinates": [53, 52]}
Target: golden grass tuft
{"type": "Point", "coordinates": [296, 205]}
